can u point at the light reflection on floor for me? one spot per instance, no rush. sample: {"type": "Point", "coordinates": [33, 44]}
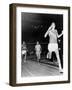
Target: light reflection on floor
{"type": "Point", "coordinates": [32, 68]}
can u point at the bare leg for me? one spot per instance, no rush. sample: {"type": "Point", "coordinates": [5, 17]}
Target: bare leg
{"type": "Point", "coordinates": [38, 56]}
{"type": "Point", "coordinates": [25, 57]}
{"type": "Point", "coordinates": [58, 59]}
{"type": "Point", "coordinates": [49, 54]}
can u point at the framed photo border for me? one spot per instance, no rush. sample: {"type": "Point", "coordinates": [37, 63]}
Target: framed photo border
{"type": "Point", "coordinates": [12, 43]}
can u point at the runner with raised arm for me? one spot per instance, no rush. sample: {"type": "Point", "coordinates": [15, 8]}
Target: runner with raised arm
{"type": "Point", "coordinates": [53, 45]}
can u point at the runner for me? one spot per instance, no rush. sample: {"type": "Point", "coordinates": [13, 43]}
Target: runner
{"type": "Point", "coordinates": [38, 51]}
{"type": "Point", "coordinates": [24, 51]}
{"type": "Point", "coordinates": [53, 45]}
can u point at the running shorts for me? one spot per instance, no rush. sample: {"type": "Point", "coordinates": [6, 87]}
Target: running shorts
{"type": "Point", "coordinates": [52, 47]}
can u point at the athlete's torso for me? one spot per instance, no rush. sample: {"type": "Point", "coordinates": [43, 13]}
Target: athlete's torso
{"type": "Point", "coordinates": [53, 36]}
{"type": "Point", "coordinates": [24, 47]}
{"type": "Point", "coordinates": [38, 48]}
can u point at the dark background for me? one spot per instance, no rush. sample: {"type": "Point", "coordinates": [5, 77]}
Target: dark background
{"type": "Point", "coordinates": [34, 26]}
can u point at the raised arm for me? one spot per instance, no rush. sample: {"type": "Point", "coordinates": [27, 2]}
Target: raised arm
{"type": "Point", "coordinates": [46, 34]}
{"type": "Point", "coordinates": [60, 35]}
{"type": "Point", "coordinates": [50, 28]}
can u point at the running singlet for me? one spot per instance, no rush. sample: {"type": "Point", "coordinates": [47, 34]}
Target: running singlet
{"type": "Point", "coordinates": [38, 47]}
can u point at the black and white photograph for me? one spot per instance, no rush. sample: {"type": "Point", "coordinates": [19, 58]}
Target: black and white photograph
{"type": "Point", "coordinates": [41, 44]}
